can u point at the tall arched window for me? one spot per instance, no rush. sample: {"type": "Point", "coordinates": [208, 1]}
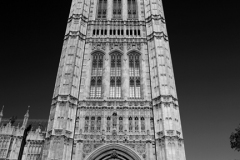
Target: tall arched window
{"type": "Point", "coordinates": [77, 124]}
{"type": "Point", "coordinates": [136, 124]}
{"type": "Point", "coordinates": [92, 124]}
{"type": "Point", "coordinates": [96, 79]}
{"type": "Point", "coordinates": [115, 76]}
{"type": "Point", "coordinates": [120, 124]}
{"type": "Point", "coordinates": [132, 9]}
{"type": "Point", "coordinates": [108, 124]}
{"type": "Point", "coordinates": [134, 74]}
{"type": "Point", "coordinates": [151, 123]}
{"type": "Point", "coordinates": [102, 9]}
{"type": "Point", "coordinates": [86, 124]}
{"type": "Point", "coordinates": [117, 9]}
{"type": "Point", "coordinates": [114, 120]}
{"type": "Point", "coordinates": [142, 124]}
{"type": "Point", "coordinates": [99, 124]}
{"type": "Point", "coordinates": [130, 124]}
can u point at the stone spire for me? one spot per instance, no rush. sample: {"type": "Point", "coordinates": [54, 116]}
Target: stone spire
{"type": "Point", "coordinates": [26, 118]}
{"type": "Point", "coordinates": [1, 114]}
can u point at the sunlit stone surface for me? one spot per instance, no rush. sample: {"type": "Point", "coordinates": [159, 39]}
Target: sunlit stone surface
{"type": "Point", "coordinates": [115, 94]}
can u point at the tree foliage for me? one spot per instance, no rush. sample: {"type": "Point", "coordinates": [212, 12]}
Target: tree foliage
{"type": "Point", "coordinates": [235, 139]}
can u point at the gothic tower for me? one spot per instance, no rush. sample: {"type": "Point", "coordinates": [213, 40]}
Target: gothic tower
{"type": "Point", "coordinates": [115, 94]}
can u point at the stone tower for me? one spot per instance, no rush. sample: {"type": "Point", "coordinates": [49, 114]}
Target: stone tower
{"type": "Point", "coordinates": [115, 94]}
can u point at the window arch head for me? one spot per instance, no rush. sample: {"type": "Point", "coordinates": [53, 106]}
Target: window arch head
{"type": "Point", "coordinates": [99, 82]}
{"type": "Point", "coordinates": [116, 57]}
{"type": "Point", "coordinates": [134, 54]}
{"type": "Point", "coordinates": [137, 82]}
{"type": "Point", "coordinates": [112, 82]}
{"type": "Point", "coordinates": [131, 82]}
{"type": "Point", "coordinates": [134, 59]}
{"type": "Point", "coordinates": [118, 82]}
{"type": "Point", "coordinates": [116, 54]}
{"type": "Point", "coordinates": [97, 54]}
{"type": "Point", "coordinates": [92, 82]}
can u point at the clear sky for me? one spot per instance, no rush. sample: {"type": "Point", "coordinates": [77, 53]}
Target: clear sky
{"type": "Point", "coordinates": [205, 47]}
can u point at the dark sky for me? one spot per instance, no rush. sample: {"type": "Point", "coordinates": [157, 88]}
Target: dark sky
{"type": "Point", "coordinates": [205, 47]}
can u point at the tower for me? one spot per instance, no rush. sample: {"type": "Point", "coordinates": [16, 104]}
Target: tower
{"type": "Point", "coordinates": [115, 94]}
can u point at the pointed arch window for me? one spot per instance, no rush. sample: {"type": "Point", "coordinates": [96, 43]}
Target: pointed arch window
{"type": "Point", "coordinates": [115, 76]}
{"type": "Point", "coordinates": [136, 124]}
{"type": "Point", "coordinates": [120, 124]}
{"type": "Point", "coordinates": [92, 124]}
{"type": "Point", "coordinates": [102, 9]}
{"type": "Point", "coordinates": [142, 124]}
{"type": "Point", "coordinates": [96, 79]}
{"type": "Point", "coordinates": [130, 124]}
{"type": "Point", "coordinates": [114, 120]}
{"type": "Point", "coordinates": [151, 123]}
{"type": "Point", "coordinates": [108, 124]}
{"type": "Point", "coordinates": [134, 74]}
{"type": "Point", "coordinates": [77, 124]}
{"type": "Point", "coordinates": [99, 124]}
{"type": "Point", "coordinates": [132, 9]}
{"type": "Point", "coordinates": [117, 9]}
{"type": "Point", "coordinates": [86, 124]}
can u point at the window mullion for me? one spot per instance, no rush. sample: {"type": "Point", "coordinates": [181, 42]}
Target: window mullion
{"type": "Point", "coordinates": [134, 75]}
{"type": "Point", "coordinates": [120, 8]}
{"type": "Point", "coordinates": [115, 77]}
{"type": "Point", "coordinates": [131, 8]}
{"type": "Point", "coordinates": [96, 88]}
{"type": "Point", "coordinates": [103, 7]}
{"type": "Point", "coordinates": [134, 8]}
{"type": "Point", "coordinates": [100, 9]}
{"type": "Point", "coordinates": [117, 8]}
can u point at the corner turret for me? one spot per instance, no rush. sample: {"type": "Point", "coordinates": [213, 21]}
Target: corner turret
{"type": "Point", "coordinates": [26, 116]}
{"type": "Point", "coordinates": [1, 114]}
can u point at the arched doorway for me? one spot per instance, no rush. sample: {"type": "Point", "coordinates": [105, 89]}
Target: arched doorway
{"type": "Point", "coordinates": [113, 152]}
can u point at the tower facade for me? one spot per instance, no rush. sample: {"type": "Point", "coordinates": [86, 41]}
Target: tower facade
{"type": "Point", "coordinates": [115, 94]}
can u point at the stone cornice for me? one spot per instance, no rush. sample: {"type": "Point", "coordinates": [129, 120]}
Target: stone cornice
{"type": "Point", "coordinates": [74, 34]}
{"type": "Point", "coordinates": [78, 16]}
{"type": "Point", "coordinates": [150, 37]}
{"type": "Point", "coordinates": [158, 35]}
{"type": "Point", "coordinates": [155, 17]}
{"type": "Point", "coordinates": [116, 40]}
{"type": "Point", "coordinates": [119, 23]}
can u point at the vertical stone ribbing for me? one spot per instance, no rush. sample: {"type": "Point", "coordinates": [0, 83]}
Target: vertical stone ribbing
{"type": "Point", "coordinates": [65, 98]}
{"type": "Point", "coordinates": [168, 132]}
